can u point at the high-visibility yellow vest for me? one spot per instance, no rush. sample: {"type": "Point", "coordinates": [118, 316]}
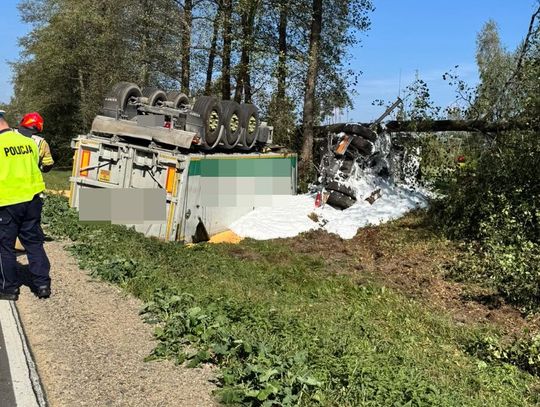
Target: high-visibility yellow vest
{"type": "Point", "coordinates": [20, 177]}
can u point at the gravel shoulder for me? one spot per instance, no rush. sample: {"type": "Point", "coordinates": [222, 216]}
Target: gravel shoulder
{"type": "Point", "coordinates": [89, 344]}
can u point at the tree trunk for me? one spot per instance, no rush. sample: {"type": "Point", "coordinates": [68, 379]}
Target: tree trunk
{"type": "Point", "coordinates": [144, 74]}
{"type": "Point", "coordinates": [212, 53]}
{"type": "Point", "coordinates": [249, 34]}
{"type": "Point", "coordinates": [306, 154]}
{"type": "Point", "coordinates": [242, 65]}
{"type": "Point", "coordinates": [226, 59]}
{"type": "Point", "coordinates": [428, 126]}
{"type": "Point", "coordinates": [243, 82]}
{"type": "Point", "coordinates": [247, 83]}
{"type": "Point", "coordinates": [83, 101]}
{"type": "Point", "coordinates": [186, 46]}
{"type": "Point", "coordinates": [282, 47]}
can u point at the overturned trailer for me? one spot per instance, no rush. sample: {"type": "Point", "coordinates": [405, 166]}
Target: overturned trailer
{"type": "Point", "coordinates": [212, 161]}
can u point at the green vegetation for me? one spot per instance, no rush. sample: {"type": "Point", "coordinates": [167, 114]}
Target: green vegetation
{"type": "Point", "coordinates": [57, 180]}
{"type": "Point", "coordinates": [494, 205]}
{"type": "Point", "coordinates": [522, 352]}
{"type": "Point", "coordinates": [286, 329]}
{"type": "Point", "coordinates": [496, 209]}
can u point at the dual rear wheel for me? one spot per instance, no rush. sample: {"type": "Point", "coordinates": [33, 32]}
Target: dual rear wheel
{"type": "Point", "coordinates": [241, 124]}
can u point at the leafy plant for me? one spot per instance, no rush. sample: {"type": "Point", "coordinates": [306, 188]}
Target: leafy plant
{"type": "Point", "coordinates": [522, 352]}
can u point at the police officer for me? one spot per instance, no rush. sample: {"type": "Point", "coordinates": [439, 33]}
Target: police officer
{"type": "Point", "coordinates": [31, 125]}
{"type": "Point", "coordinates": [21, 183]}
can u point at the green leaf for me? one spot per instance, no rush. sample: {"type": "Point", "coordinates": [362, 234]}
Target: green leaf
{"type": "Point", "coordinates": [310, 381]}
{"type": "Point", "coordinates": [267, 375]}
{"type": "Point", "coordinates": [266, 392]}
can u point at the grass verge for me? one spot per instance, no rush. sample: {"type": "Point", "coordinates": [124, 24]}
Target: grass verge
{"type": "Point", "coordinates": [57, 180]}
{"type": "Point", "coordinates": [286, 331]}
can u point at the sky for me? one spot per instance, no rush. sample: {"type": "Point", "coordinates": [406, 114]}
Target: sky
{"type": "Point", "coordinates": [431, 37]}
{"type": "Point", "coordinates": [406, 36]}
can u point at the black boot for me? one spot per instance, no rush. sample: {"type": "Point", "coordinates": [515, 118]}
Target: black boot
{"type": "Point", "coordinates": [13, 296]}
{"type": "Point", "coordinates": [43, 291]}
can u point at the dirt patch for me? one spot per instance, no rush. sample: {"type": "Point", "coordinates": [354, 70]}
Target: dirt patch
{"type": "Point", "coordinates": [320, 242]}
{"type": "Point", "coordinates": [243, 253]}
{"type": "Point", "coordinates": [408, 257]}
{"type": "Point", "coordinates": [90, 343]}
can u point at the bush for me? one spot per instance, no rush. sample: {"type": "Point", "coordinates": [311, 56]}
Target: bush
{"type": "Point", "coordinates": [495, 208]}
{"type": "Point", "coordinates": [439, 153]}
{"type": "Point", "coordinates": [522, 352]}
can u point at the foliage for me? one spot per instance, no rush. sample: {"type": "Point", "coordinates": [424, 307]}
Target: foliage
{"type": "Point", "coordinates": [495, 100]}
{"type": "Point", "coordinates": [10, 117]}
{"type": "Point", "coordinates": [440, 154]}
{"type": "Point", "coordinates": [281, 116]}
{"type": "Point", "coordinates": [496, 207]}
{"type": "Point", "coordinates": [420, 106]}
{"type": "Point", "coordinates": [77, 49]}
{"type": "Point", "coordinates": [57, 179]}
{"type": "Point", "coordinates": [522, 352]}
{"type": "Point", "coordinates": [283, 329]}
{"type": "Point", "coordinates": [342, 21]}
{"type": "Point", "coordinates": [493, 205]}
{"type": "Point", "coordinates": [466, 95]}
{"type": "Point", "coordinates": [509, 86]}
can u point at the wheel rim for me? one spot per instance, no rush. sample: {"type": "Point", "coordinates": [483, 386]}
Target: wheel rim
{"type": "Point", "coordinates": [252, 124]}
{"type": "Point", "coordinates": [213, 121]}
{"type": "Point", "coordinates": [234, 123]}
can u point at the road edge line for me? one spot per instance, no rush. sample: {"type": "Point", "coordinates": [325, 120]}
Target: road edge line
{"type": "Point", "coordinates": [35, 380]}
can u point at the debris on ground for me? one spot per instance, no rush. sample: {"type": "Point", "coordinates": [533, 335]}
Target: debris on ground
{"type": "Point", "coordinates": [374, 196]}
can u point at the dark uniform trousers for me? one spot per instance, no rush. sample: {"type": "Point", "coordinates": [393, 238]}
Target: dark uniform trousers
{"type": "Point", "coordinates": [22, 220]}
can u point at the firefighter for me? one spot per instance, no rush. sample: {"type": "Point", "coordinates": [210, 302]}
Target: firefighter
{"type": "Point", "coordinates": [31, 125]}
{"type": "Point", "coordinates": [21, 183]}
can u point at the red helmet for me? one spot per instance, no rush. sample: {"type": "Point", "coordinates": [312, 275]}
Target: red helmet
{"type": "Point", "coordinates": [32, 121]}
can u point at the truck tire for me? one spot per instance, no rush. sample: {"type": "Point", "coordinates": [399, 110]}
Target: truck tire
{"type": "Point", "coordinates": [340, 201]}
{"type": "Point", "coordinates": [363, 146]}
{"type": "Point", "coordinates": [117, 100]}
{"type": "Point", "coordinates": [232, 122]}
{"type": "Point", "coordinates": [209, 108]}
{"type": "Point", "coordinates": [180, 100]}
{"type": "Point", "coordinates": [155, 96]}
{"type": "Point", "coordinates": [343, 189]}
{"type": "Point", "coordinates": [250, 124]}
{"type": "Point", "coordinates": [360, 130]}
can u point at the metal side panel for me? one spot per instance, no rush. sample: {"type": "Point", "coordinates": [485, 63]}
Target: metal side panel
{"type": "Point", "coordinates": [183, 211]}
{"type": "Point", "coordinates": [211, 190]}
{"type": "Point", "coordinates": [193, 211]}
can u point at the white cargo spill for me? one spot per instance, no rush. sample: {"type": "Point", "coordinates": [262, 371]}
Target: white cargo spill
{"type": "Point", "coordinates": [297, 214]}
